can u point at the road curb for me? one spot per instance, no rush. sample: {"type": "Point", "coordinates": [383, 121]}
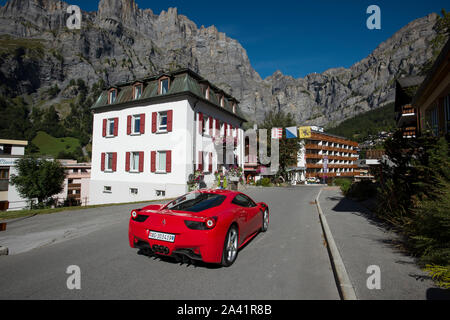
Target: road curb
{"type": "Point", "coordinates": [345, 286]}
{"type": "Point", "coordinates": [4, 251]}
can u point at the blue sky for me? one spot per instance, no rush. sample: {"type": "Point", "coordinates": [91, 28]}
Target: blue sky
{"type": "Point", "coordinates": [297, 37]}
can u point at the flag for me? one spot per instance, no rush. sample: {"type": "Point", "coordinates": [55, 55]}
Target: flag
{"type": "Point", "coordinates": [291, 133]}
{"type": "Point", "coordinates": [305, 132]}
{"type": "Point", "coordinates": [277, 133]}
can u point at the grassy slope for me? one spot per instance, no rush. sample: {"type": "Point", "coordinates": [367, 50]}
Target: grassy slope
{"type": "Point", "coordinates": [361, 126]}
{"type": "Point", "coordinates": [51, 146]}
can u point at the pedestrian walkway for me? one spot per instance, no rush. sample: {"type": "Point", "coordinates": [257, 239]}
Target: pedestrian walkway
{"type": "Point", "coordinates": [363, 242]}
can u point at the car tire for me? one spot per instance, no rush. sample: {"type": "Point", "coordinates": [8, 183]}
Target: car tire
{"type": "Point", "coordinates": [265, 221]}
{"type": "Point", "coordinates": [230, 247]}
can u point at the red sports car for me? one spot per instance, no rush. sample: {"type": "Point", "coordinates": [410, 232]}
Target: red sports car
{"type": "Point", "coordinates": [207, 225]}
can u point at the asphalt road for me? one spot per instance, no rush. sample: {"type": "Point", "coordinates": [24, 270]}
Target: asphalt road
{"type": "Point", "coordinates": [289, 261]}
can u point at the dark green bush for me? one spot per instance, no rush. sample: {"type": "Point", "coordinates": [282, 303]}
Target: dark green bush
{"type": "Point", "coordinates": [344, 183]}
{"type": "Point", "coordinates": [362, 190]}
{"type": "Point", "coordinates": [265, 182]}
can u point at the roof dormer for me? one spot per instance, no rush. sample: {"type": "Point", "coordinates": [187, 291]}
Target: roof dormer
{"type": "Point", "coordinates": [138, 88]}
{"type": "Point", "coordinates": [163, 85]}
{"type": "Point", "coordinates": [112, 95]}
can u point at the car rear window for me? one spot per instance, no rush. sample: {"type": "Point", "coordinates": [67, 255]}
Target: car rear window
{"type": "Point", "coordinates": [196, 202]}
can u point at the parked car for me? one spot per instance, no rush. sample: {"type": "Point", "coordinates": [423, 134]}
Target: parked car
{"type": "Point", "coordinates": [206, 225]}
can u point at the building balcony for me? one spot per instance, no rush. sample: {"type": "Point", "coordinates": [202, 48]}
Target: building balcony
{"type": "Point", "coordinates": [328, 148]}
{"type": "Point", "coordinates": [74, 186]}
{"type": "Point", "coordinates": [330, 174]}
{"type": "Point", "coordinates": [409, 132]}
{"type": "Point", "coordinates": [408, 115]}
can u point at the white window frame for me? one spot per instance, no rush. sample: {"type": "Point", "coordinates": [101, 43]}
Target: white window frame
{"type": "Point", "coordinates": [111, 100]}
{"type": "Point", "coordinates": [133, 124]}
{"type": "Point", "coordinates": [136, 97]}
{"type": "Point", "coordinates": [110, 123]}
{"type": "Point", "coordinates": [205, 124]}
{"type": "Point", "coordinates": [161, 85]}
{"type": "Point", "coordinates": [158, 162]}
{"type": "Point", "coordinates": [161, 128]}
{"type": "Point", "coordinates": [108, 161]}
{"type": "Point", "coordinates": [134, 166]}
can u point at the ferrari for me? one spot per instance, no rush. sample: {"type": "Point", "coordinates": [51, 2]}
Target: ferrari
{"type": "Point", "coordinates": [206, 225]}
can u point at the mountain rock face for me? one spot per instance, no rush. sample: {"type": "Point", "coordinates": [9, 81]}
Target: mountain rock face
{"type": "Point", "coordinates": [121, 42]}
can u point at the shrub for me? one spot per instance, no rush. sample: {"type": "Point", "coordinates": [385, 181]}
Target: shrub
{"type": "Point", "coordinates": [344, 183]}
{"type": "Point", "coordinates": [362, 190]}
{"type": "Point", "coordinates": [265, 182]}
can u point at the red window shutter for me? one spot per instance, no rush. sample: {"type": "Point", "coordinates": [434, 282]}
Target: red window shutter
{"type": "Point", "coordinates": [103, 162]}
{"type": "Point", "coordinates": [141, 161]}
{"type": "Point", "coordinates": [210, 162]}
{"type": "Point", "coordinates": [127, 161]}
{"type": "Point", "coordinates": [154, 119]}
{"type": "Point", "coordinates": [168, 161]}
{"type": "Point", "coordinates": [104, 127]}
{"type": "Point", "coordinates": [116, 126]}
{"type": "Point", "coordinates": [114, 162]}
{"type": "Point", "coordinates": [217, 127]}
{"type": "Point", "coordinates": [129, 125]}
{"type": "Point", "coordinates": [200, 160]}
{"type": "Point", "coordinates": [153, 161]}
{"type": "Point", "coordinates": [142, 128]}
{"type": "Point", "coordinates": [169, 120]}
{"type": "Point", "coordinates": [200, 123]}
{"type": "Point", "coordinates": [210, 126]}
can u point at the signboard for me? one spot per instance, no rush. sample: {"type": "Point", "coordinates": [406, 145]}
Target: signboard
{"type": "Point", "coordinates": [7, 161]}
{"type": "Point", "coordinates": [305, 132]}
{"type": "Point", "coordinates": [325, 164]}
{"type": "Point", "coordinates": [277, 133]}
{"type": "Point", "coordinates": [291, 132]}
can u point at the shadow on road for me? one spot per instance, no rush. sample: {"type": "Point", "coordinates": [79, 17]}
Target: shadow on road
{"type": "Point", "coordinates": [186, 261]}
{"type": "Point", "coordinates": [353, 207]}
{"type": "Point", "coordinates": [438, 294]}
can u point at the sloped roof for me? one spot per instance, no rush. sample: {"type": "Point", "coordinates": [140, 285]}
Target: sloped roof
{"type": "Point", "coordinates": [182, 81]}
{"type": "Point", "coordinates": [406, 82]}
{"type": "Point", "coordinates": [440, 60]}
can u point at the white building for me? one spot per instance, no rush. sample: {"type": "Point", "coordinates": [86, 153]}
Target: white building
{"type": "Point", "coordinates": [149, 136]}
{"type": "Point", "coordinates": [76, 183]}
{"type": "Point", "coordinates": [10, 151]}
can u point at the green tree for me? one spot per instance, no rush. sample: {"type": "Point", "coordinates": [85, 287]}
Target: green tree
{"type": "Point", "coordinates": [38, 178]}
{"type": "Point", "coordinates": [288, 147]}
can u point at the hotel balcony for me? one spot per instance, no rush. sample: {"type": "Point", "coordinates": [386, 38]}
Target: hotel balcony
{"type": "Point", "coordinates": [409, 132]}
{"type": "Point", "coordinates": [407, 116]}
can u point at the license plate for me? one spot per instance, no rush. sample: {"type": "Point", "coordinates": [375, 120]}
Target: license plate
{"type": "Point", "coordinates": [161, 236]}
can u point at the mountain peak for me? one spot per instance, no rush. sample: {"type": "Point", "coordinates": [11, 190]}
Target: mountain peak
{"type": "Point", "coordinates": [119, 10]}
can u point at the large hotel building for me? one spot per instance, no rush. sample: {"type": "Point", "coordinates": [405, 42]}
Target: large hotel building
{"type": "Point", "coordinates": [326, 152]}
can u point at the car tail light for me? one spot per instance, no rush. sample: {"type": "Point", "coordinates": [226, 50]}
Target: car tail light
{"type": "Point", "coordinates": [211, 222]}
{"type": "Point", "coordinates": [200, 225]}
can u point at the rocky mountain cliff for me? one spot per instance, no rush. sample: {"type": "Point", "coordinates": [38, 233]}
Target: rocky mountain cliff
{"type": "Point", "coordinates": [121, 42]}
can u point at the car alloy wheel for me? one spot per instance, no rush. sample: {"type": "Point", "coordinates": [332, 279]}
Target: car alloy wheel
{"type": "Point", "coordinates": [230, 249]}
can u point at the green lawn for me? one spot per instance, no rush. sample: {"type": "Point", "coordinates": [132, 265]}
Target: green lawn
{"type": "Point", "coordinates": [51, 146]}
